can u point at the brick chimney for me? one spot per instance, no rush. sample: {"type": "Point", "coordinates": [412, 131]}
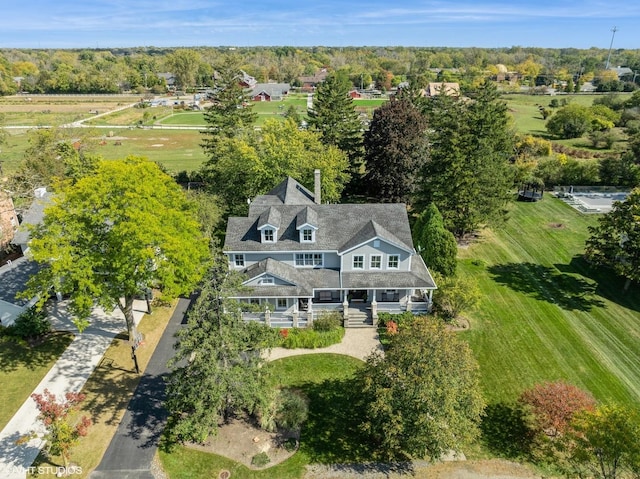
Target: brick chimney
{"type": "Point", "coordinates": [316, 187]}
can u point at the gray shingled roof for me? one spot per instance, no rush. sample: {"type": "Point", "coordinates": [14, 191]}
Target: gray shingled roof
{"type": "Point", "coordinates": [14, 277]}
{"type": "Point", "coordinates": [337, 225]}
{"type": "Point", "coordinates": [302, 280]}
{"type": "Point", "coordinates": [288, 192]}
{"type": "Point", "coordinates": [307, 216]}
{"type": "Point", "coordinates": [33, 216]}
{"type": "Point", "coordinates": [418, 278]}
{"type": "Point", "coordinates": [369, 231]}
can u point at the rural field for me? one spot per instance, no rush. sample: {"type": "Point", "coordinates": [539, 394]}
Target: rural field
{"type": "Point", "coordinates": [546, 314]}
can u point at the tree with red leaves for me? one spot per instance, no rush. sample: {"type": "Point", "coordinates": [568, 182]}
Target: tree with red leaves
{"type": "Point", "coordinates": [61, 435]}
{"type": "Point", "coordinates": [554, 404]}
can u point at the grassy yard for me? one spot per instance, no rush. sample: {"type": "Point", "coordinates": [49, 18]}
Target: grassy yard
{"type": "Point", "coordinates": [108, 391]}
{"type": "Point", "coordinates": [545, 314]}
{"type": "Point", "coordinates": [177, 150]}
{"type": "Point", "coordinates": [327, 436]}
{"type": "Point", "coordinates": [23, 368]}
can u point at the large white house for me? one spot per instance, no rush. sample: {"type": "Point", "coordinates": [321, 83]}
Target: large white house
{"type": "Point", "coordinates": [302, 257]}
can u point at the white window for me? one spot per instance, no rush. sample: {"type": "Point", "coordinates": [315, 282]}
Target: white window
{"type": "Point", "coordinates": [239, 260]}
{"type": "Point", "coordinates": [309, 259]}
{"type": "Point", "coordinates": [393, 261]}
{"type": "Point", "coordinates": [307, 235]}
{"type": "Point", "coordinates": [281, 303]}
{"type": "Point", "coordinates": [358, 262]}
{"type": "Point", "coordinates": [375, 261]}
{"type": "Point", "coordinates": [268, 281]}
{"type": "Point", "coordinates": [268, 236]}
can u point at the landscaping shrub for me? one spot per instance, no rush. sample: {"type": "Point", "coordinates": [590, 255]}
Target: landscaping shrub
{"type": "Point", "coordinates": [401, 319]}
{"type": "Point", "coordinates": [293, 410]}
{"type": "Point", "coordinates": [260, 460]}
{"type": "Point", "coordinates": [30, 324]}
{"type": "Point", "coordinates": [309, 338]}
{"type": "Point", "coordinates": [327, 322]}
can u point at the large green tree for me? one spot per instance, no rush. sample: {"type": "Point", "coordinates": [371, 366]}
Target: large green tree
{"type": "Point", "coordinates": [184, 63]}
{"type": "Point", "coordinates": [230, 113]}
{"type": "Point", "coordinates": [252, 165]}
{"type": "Point", "coordinates": [395, 149]}
{"type": "Point", "coordinates": [468, 173]}
{"type": "Point", "coordinates": [615, 241]}
{"type": "Point", "coordinates": [334, 116]}
{"type": "Point", "coordinates": [218, 368]}
{"type": "Point", "coordinates": [436, 244]}
{"type": "Point", "coordinates": [112, 234]}
{"type": "Point", "coordinates": [422, 398]}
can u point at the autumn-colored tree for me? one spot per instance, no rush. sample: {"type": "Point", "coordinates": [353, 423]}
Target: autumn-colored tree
{"type": "Point", "coordinates": [602, 444]}
{"type": "Point", "coordinates": [553, 405]}
{"type": "Point", "coordinates": [61, 435]}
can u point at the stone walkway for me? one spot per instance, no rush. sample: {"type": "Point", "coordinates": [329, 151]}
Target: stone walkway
{"type": "Point", "coordinates": [357, 342]}
{"type": "Point", "coordinates": [68, 374]}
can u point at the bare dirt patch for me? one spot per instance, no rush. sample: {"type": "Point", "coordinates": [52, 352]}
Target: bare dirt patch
{"type": "Point", "coordinates": [241, 441]}
{"type": "Point", "coordinates": [557, 226]}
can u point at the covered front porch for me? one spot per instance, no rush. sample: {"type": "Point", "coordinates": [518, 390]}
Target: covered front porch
{"type": "Point", "coordinates": [358, 307]}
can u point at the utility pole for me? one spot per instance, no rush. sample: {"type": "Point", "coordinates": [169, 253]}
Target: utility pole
{"type": "Point", "coordinates": [614, 30]}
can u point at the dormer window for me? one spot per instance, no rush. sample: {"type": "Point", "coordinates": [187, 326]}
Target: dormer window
{"type": "Point", "coordinates": [267, 281]}
{"type": "Point", "coordinates": [268, 235]}
{"type": "Point", "coordinates": [307, 235]}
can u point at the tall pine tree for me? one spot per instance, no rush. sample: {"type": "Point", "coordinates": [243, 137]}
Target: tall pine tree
{"type": "Point", "coordinates": [334, 116]}
{"type": "Point", "coordinates": [468, 174]}
{"type": "Point", "coordinates": [230, 112]}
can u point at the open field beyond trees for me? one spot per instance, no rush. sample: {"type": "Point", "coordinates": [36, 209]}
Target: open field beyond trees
{"type": "Point", "coordinates": [546, 314]}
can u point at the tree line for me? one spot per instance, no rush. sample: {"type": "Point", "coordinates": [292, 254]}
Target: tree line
{"type": "Point", "coordinates": [136, 69]}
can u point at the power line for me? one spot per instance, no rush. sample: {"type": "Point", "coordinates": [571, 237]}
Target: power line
{"type": "Point", "coordinates": [614, 30]}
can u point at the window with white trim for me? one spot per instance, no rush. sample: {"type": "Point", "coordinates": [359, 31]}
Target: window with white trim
{"type": "Point", "coordinates": [266, 281]}
{"type": "Point", "coordinates": [307, 235]}
{"type": "Point", "coordinates": [393, 261]}
{"type": "Point", "coordinates": [309, 259]}
{"type": "Point", "coordinates": [239, 260]}
{"type": "Point", "coordinates": [281, 303]}
{"type": "Point", "coordinates": [375, 261]}
{"type": "Point", "coordinates": [358, 262]}
{"type": "Point", "coordinates": [268, 235]}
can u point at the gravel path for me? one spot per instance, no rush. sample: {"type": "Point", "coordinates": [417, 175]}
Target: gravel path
{"type": "Point", "coordinates": [357, 342]}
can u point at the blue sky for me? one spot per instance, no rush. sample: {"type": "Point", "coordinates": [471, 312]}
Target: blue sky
{"type": "Point", "coordinates": [465, 23]}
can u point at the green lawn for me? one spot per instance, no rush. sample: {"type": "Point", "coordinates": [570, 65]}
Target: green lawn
{"type": "Point", "coordinates": [23, 368]}
{"type": "Point", "coordinates": [327, 436]}
{"type": "Point", "coordinates": [545, 314]}
{"type": "Point", "coordinates": [177, 150]}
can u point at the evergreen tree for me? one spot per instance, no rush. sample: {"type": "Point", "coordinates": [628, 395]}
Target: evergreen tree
{"type": "Point", "coordinates": [436, 244]}
{"type": "Point", "coordinates": [334, 116]}
{"type": "Point", "coordinates": [468, 173]}
{"type": "Point", "coordinates": [396, 148]}
{"type": "Point", "coordinates": [231, 110]}
{"type": "Point", "coordinates": [218, 369]}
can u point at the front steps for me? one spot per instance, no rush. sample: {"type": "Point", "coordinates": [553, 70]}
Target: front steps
{"type": "Point", "coordinates": [359, 319]}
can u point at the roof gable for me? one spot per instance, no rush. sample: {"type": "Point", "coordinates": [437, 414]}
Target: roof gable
{"type": "Point", "coordinates": [371, 231]}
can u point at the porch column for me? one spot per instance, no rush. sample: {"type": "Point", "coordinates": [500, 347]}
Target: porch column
{"type": "Point", "coordinates": [374, 309]}
{"type": "Point", "coordinates": [409, 302]}
{"type": "Point", "coordinates": [267, 317]}
{"type": "Point", "coordinates": [430, 300]}
{"type": "Point", "coordinates": [295, 315]}
{"type": "Point", "coordinates": [345, 310]}
{"type": "Point", "coordinates": [310, 313]}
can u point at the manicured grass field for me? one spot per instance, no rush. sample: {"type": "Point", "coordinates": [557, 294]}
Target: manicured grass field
{"type": "Point", "coordinates": [545, 314]}
{"type": "Point", "coordinates": [177, 150]}
{"type": "Point", "coordinates": [327, 436]}
{"type": "Point", "coordinates": [23, 368]}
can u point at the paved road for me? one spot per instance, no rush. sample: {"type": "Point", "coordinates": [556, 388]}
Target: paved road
{"type": "Point", "coordinates": [132, 448]}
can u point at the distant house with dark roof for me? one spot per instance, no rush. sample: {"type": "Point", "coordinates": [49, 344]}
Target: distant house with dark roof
{"type": "Point", "coordinates": [624, 73]}
{"type": "Point", "coordinates": [269, 91]}
{"type": "Point", "coordinates": [302, 258]}
{"type": "Point", "coordinates": [33, 216]}
{"type": "Point", "coordinates": [310, 82]}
